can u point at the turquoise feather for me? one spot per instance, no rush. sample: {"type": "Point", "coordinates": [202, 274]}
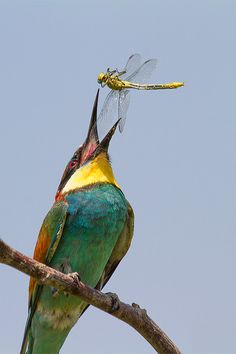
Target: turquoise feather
{"type": "Point", "coordinates": [95, 219]}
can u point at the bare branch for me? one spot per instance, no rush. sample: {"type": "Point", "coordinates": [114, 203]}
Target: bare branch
{"type": "Point", "coordinates": [133, 315]}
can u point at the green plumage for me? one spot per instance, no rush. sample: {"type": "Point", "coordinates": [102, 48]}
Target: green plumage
{"type": "Point", "coordinates": [97, 231]}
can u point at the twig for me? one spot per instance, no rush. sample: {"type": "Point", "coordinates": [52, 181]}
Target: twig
{"type": "Point", "coordinates": [133, 315]}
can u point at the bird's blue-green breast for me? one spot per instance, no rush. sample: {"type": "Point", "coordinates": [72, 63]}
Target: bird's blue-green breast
{"type": "Point", "coordinates": [96, 217]}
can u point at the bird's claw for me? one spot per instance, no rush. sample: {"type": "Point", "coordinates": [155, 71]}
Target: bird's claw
{"type": "Point", "coordinates": [115, 302]}
{"type": "Point", "coordinates": [75, 276]}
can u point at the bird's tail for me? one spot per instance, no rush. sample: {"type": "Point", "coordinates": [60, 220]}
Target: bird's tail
{"type": "Point", "coordinates": [25, 341]}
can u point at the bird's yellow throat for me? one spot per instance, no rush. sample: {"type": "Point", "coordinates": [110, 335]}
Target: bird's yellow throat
{"type": "Point", "coordinates": [97, 170]}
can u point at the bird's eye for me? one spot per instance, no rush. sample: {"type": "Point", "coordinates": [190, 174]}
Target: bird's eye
{"type": "Point", "coordinates": [72, 164]}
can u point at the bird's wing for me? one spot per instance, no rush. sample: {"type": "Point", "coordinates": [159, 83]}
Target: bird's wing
{"type": "Point", "coordinates": [48, 239]}
{"type": "Point", "coordinates": [121, 247]}
{"type": "Point", "coordinates": [119, 251]}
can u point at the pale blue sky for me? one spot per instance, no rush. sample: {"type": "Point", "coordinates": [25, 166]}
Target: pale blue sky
{"type": "Point", "coordinates": [175, 160]}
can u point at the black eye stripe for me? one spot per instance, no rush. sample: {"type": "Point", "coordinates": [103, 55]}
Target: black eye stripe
{"type": "Point", "coordinates": [70, 168]}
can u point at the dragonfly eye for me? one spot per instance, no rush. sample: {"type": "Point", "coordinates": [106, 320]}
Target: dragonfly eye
{"type": "Point", "coordinates": [101, 78]}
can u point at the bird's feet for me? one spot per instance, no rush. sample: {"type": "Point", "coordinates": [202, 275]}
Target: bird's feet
{"type": "Point", "coordinates": [115, 302]}
{"type": "Point", "coordinates": [75, 276]}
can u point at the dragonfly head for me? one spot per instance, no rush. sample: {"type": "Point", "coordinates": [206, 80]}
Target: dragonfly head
{"type": "Point", "coordinates": [88, 152]}
{"type": "Point", "coordinates": [102, 78]}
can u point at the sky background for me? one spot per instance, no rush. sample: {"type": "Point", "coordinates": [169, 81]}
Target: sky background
{"type": "Point", "coordinates": [175, 160]}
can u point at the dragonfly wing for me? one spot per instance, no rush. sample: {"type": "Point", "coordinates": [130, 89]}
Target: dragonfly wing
{"type": "Point", "coordinates": [109, 113]}
{"type": "Point", "coordinates": [131, 66]}
{"type": "Point", "coordinates": [123, 105]}
{"type": "Point", "coordinates": [144, 72]}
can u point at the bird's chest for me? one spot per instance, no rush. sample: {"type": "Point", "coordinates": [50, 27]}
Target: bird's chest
{"type": "Point", "coordinates": [94, 223]}
{"type": "Point", "coordinates": [95, 220]}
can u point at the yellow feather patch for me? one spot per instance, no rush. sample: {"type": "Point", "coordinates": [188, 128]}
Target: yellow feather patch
{"type": "Point", "coordinates": [96, 171]}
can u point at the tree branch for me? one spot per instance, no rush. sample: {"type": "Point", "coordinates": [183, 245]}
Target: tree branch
{"type": "Point", "coordinates": [133, 315]}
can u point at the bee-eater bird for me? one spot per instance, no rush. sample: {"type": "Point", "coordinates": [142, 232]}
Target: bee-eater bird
{"type": "Point", "coordinates": [88, 230]}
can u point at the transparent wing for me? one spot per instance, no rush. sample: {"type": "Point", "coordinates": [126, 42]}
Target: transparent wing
{"type": "Point", "coordinates": [123, 105]}
{"type": "Point", "coordinates": [132, 65]}
{"type": "Point", "coordinates": [109, 113]}
{"type": "Point", "coordinates": [144, 72]}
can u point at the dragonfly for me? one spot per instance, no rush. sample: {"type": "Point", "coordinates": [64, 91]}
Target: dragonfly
{"type": "Point", "coordinates": [134, 76]}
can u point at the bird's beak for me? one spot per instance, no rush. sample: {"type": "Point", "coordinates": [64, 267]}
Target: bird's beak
{"type": "Point", "coordinates": [103, 146]}
{"type": "Point", "coordinates": [92, 147]}
{"type": "Point", "coordinates": [92, 140]}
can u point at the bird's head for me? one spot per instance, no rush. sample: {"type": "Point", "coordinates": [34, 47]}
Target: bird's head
{"type": "Point", "coordinates": [90, 162]}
